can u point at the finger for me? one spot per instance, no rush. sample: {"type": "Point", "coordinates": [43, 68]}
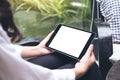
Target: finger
{"type": "Point", "coordinates": [90, 50]}
{"type": "Point", "coordinates": [93, 56]}
{"type": "Point", "coordinates": [48, 37]}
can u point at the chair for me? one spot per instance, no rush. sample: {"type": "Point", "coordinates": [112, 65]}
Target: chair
{"type": "Point", "coordinates": [103, 47]}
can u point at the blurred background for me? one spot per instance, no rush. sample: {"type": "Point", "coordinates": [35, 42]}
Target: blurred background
{"type": "Point", "coordinates": [36, 18]}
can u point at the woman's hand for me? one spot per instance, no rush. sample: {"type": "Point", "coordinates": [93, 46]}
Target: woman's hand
{"type": "Point", "coordinates": [42, 48]}
{"type": "Point", "coordinates": [31, 51]}
{"type": "Point", "coordinates": [85, 63]}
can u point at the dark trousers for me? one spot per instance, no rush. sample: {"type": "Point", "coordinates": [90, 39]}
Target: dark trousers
{"type": "Point", "coordinates": [59, 61]}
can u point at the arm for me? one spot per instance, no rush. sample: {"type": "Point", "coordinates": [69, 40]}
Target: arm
{"type": "Point", "coordinates": [29, 71]}
{"type": "Point", "coordinates": [30, 51]}
{"type": "Point", "coordinates": [80, 69]}
{"type": "Point", "coordinates": [85, 63]}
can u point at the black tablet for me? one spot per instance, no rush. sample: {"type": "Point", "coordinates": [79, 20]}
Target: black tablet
{"type": "Point", "coordinates": [70, 41]}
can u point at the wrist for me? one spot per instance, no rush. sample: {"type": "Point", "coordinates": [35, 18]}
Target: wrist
{"type": "Point", "coordinates": [28, 51]}
{"type": "Point", "coordinates": [80, 71]}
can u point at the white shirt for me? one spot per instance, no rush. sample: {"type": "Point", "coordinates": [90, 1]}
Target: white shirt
{"type": "Point", "coordinates": [13, 67]}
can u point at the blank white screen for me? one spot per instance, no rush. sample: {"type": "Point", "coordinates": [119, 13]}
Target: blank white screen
{"type": "Point", "coordinates": [70, 41]}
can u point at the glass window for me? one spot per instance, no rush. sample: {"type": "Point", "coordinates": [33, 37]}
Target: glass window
{"type": "Point", "coordinates": [39, 17]}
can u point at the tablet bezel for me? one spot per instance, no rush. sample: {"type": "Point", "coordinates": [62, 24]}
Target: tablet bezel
{"type": "Point", "coordinates": [84, 49]}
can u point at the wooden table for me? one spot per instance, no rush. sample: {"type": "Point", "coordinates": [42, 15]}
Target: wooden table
{"type": "Point", "coordinates": [114, 72]}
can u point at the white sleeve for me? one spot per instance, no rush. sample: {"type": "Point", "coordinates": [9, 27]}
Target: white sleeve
{"type": "Point", "coordinates": [61, 74]}
{"type": "Point", "coordinates": [17, 49]}
{"type": "Point", "coordinates": [13, 67]}
{"type": "Point", "coordinates": [6, 42]}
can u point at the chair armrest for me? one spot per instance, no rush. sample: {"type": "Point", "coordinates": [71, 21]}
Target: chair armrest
{"type": "Point", "coordinates": [103, 46]}
{"type": "Point", "coordinates": [31, 41]}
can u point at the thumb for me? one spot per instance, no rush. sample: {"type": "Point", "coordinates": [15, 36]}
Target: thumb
{"type": "Point", "coordinates": [90, 50]}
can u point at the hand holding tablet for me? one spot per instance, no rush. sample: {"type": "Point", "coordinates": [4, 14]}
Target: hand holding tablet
{"type": "Point", "coordinates": [70, 41]}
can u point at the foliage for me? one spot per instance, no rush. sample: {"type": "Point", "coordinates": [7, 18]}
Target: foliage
{"type": "Point", "coordinates": [86, 10]}
{"type": "Point", "coordinates": [42, 16]}
{"type": "Point", "coordinates": [47, 8]}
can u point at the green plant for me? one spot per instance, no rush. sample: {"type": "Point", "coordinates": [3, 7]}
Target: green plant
{"type": "Point", "coordinates": [86, 11]}
{"type": "Point", "coordinates": [47, 8]}
{"type": "Point", "coordinates": [41, 16]}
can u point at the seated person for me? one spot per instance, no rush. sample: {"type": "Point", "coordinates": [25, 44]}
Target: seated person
{"type": "Point", "coordinates": [14, 67]}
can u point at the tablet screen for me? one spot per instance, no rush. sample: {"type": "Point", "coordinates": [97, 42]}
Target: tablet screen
{"type": "Point", "coordinates": [69, 40]}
